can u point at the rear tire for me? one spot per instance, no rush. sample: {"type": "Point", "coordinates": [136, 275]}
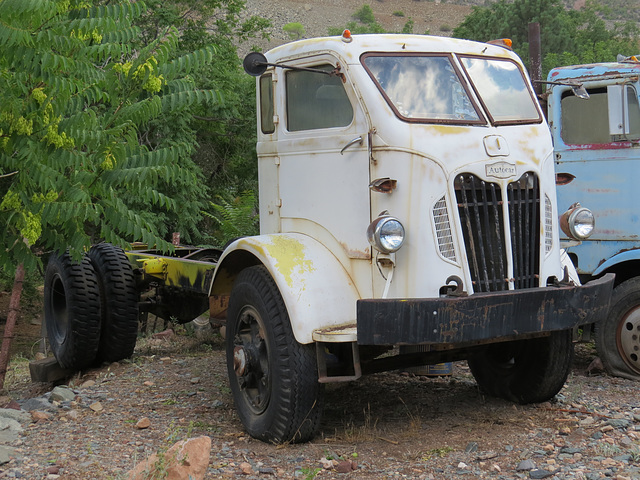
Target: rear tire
{"type": "Point", "coordinates": [119, 302]}
{"type": "Point", "coordinates": [618, 334]}
{"type": "Point", "coordinates": [524, 371]}
{"type": "Point", "coordinates": [274, 379]}
{"type": "Point", "coordinates": [72, 311]}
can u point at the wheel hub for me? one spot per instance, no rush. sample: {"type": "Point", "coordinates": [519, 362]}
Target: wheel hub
{"type": "Point", "coordinates": [629, 339]}
{"type": "Point", "coordinates": [240, 361]}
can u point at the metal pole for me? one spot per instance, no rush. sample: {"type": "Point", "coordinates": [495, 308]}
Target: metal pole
{"type": "Point", "coordinates": [535, 57]}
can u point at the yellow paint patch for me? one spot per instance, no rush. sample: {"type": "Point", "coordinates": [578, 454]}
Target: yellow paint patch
{"type": "Point", "coordinates": [290, 259]}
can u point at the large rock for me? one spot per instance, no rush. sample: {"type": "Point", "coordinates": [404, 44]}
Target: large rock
{"type": "Point", "coordinates": [186, 460]}
{"type": "Point", "coordinates": [62, 394]}
{"type": "Point", "coordinates": [17, 415]}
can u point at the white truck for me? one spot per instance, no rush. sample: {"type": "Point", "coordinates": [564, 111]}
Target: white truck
{"type": "Point", "coordinates": [407, 198]}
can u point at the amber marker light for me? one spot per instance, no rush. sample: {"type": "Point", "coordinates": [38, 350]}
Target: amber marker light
{"type": "Point", "coordinates": [346, 36]}
{"type": "Point", "coordinates": [502, 42]}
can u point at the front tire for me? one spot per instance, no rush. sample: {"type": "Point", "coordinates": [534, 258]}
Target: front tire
{"type": "Point", "coordinates": [524, 371]}
{"type": "Point", "coordinates": [72, 311]}
{"type": "Point", "coordinates": [618, 334]}
{"type": "Point", "coordinates": [273, 378]}
{"type": "Point", "coordinates": [119, 302]}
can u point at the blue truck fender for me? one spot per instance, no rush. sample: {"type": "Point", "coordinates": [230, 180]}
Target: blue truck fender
{"type": "Point", "coordinates": [622, 257]}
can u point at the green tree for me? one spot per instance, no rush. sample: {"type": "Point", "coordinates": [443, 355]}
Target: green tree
{"type": "Point", "coordinates": [566, 36]}
{"type": "Point", "coordinates": [295, 30]}
{"type": "Point", "coordinates": [78, 160]}
{"type": "Point", "coordinates": [365, 23]}
{"type": "Point", "coordinates": [365, 15]}
{"type": "Point", "coordinates": [224, 132]}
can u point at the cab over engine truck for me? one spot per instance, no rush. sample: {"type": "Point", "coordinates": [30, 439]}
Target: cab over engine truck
{"type": "Point", "coordinates": [597, 153]}
{"type": "Point", "coordinates": [407, 198]}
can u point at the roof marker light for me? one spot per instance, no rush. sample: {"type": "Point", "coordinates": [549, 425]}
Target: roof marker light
{"type": "Point", "coordinates": [502, 42]}
{"type": "Point", "coordinates": [346, 36]}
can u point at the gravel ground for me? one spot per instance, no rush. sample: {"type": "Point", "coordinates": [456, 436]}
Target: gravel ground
{"type": "Point", "coordinates": [386, 426]}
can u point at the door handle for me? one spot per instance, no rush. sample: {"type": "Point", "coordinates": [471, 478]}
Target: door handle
{"type": "Point", "coordinates": [352, 142]}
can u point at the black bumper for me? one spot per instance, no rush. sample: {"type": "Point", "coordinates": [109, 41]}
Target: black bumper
{"type": "Point", "coordinates": [482, 316]}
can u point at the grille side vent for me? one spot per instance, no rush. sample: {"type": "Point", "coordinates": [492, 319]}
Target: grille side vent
{"type": "Point", "coordinates": [443, 230]}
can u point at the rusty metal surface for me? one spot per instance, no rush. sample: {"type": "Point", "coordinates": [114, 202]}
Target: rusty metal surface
{"type": "Point", "coordinates": [188, 268]}
{"type": "Point", "coordinates": [481, 316]}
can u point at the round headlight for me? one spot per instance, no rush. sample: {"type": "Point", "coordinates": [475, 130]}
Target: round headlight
{"type": "Point", "coordinates": [578, 222]}
{"type": "Point", "coordinates": [386, 233]}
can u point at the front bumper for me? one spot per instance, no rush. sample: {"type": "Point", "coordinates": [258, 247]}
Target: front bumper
{"type": "Point", "coordinates": [482, 316]}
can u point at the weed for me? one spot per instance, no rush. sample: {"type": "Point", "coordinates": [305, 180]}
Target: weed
{"type": "Point", "coordinates": [445, 28]}
{"type": "Point", "coordinates": [309, 473]}
{"type": "Point", "coordinates": [398, 14]}
{"type": "Point", "coordinates": [436, 453]}
{"type": "Point", "coordinates": [608, 450]}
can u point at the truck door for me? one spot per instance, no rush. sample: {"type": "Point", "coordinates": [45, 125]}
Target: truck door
{"type": "Point", "coordinates": [323, 172]}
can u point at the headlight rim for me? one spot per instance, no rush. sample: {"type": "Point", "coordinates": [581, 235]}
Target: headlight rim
{"type": "Point", "coordinates": [374, 233]}
{"type": "Point", "coordinates": [569, 225]}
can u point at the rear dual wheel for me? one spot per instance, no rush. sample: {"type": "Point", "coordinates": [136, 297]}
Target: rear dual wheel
{"type": "Point", "coordinates": [72, 311]}
{"type": "Point", "coordinates": [91, 307]}
{"type": "Point", "coordinates": [118, 302]}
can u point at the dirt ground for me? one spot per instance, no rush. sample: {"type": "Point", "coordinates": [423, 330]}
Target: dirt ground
{"type": "Point", "coordinates": [389, 425]}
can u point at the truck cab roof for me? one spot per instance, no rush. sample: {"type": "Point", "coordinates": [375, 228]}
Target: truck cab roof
{"type": "Point", "coordinates": [595, 71]}
{"type": "Point", "coordinates": [351, 50]}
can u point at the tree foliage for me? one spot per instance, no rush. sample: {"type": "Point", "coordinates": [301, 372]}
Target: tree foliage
{"type": "Point", "coordinates": [567, 36]}
{"type": "Point", "coordinates": [78, 92]}
{"type": "Point", "coordinates": [224, 132]}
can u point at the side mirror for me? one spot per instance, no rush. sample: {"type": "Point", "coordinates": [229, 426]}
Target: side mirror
{"type": "Point", "coordinates": [255, 64]}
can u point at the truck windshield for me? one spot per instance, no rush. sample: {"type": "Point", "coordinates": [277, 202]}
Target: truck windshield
{"type": "Point", "coordinates": [502, 89]}
{"type": "Point", "coordinates": [422, 87]}
{"type": "Point", "coordinates": [429, 88]}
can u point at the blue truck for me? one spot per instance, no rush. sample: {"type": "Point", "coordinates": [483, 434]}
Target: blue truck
{"type": "Point", "coordinates": [597, 153]}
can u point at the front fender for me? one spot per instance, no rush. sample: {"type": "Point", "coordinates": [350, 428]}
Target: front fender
{"type": "Point", "coordinates": [623, 257]}
{"type": "Point", "coordinates": [316, 289]}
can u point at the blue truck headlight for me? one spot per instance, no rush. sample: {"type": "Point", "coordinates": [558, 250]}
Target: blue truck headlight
{"type": "Point", "coordinates": [577, 222]}
{"type": "Point", "coordinates": [386, 233]}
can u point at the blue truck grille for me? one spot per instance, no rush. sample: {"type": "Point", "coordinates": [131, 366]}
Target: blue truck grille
{"type": "Point", "coordinates": [480, 206]}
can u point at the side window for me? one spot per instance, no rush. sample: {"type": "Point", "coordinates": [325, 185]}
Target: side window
{"type": "Point", "coordinates": [266, 104]}
{"type": "Point", "coordinates": [587, 121]}
{"type": "Point", "coordinates": [315, 100]}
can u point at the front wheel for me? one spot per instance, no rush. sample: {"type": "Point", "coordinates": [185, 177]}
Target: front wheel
{"type": "Point", "coordinates": [274, 379]}
{"type": "Point", "coordinates": [618, 334]}
{"type": "Point", "coordinates": [524, 371]}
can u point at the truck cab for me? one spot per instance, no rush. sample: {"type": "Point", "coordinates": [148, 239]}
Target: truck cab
{"type": "Point", "coordinates": [408, 217]}
{"type": "Point", "coordinates": [407, 198]}
{"type": "Point", "coordinates": [597, 154]}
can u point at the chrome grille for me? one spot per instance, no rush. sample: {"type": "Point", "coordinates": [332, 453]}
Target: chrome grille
{"type": "Point", "coordinates": [480, 206]}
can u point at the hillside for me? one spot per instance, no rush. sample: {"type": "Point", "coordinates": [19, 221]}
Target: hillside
{"type": "Point", "coordinates": [319, 15]}
{"type": "Point", "coordinates": [437, 17]}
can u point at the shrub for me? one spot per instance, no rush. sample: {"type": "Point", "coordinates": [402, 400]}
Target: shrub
{"type": "Point", "coordinates": [295, 30]}
{"type": "Point", "coordinates": [365, 15]}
